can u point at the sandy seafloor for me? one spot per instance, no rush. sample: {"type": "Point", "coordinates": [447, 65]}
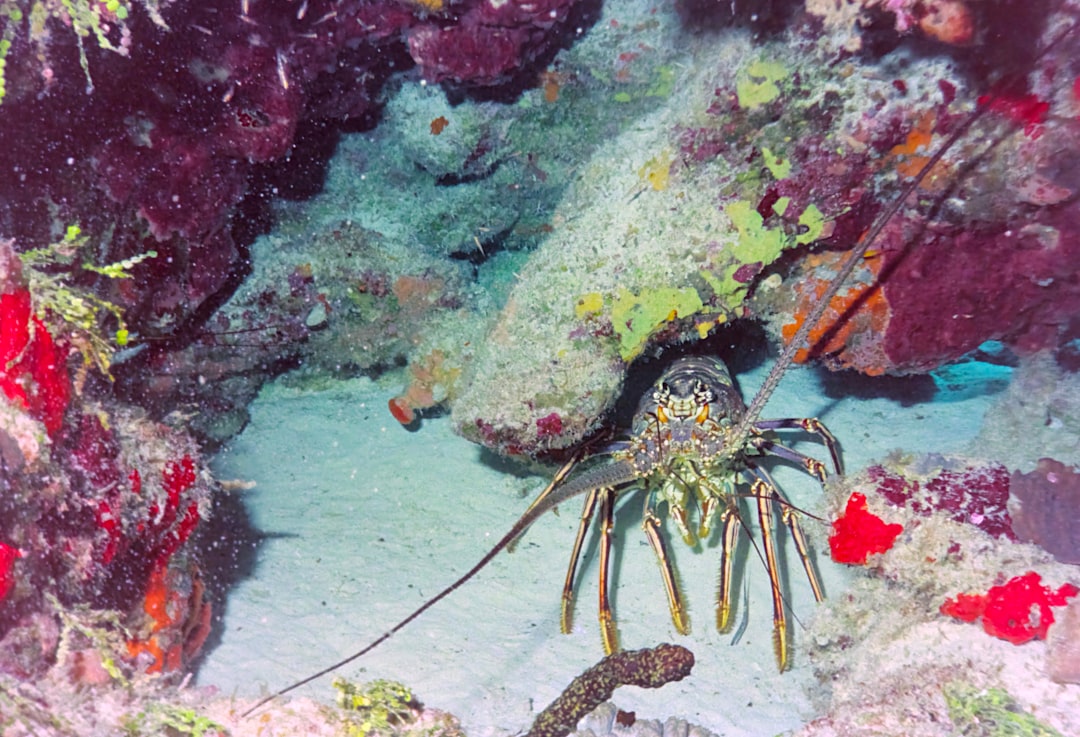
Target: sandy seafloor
{"type": "Point", "coordinates": [362, 520]}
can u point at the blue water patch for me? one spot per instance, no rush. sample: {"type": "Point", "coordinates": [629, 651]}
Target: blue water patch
{"type": "Point", "coordinates": [986, 370]}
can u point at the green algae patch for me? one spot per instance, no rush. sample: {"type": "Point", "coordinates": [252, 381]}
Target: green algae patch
{"type": "Point", "coordinates": [754, 246]}
{"type": "Point", "coordinates": [757, 84]}
{"type": "Point", "coordinates": [589, 304]}
{"type": "Point", "coordinates": [777, 165]}
{"type": "Point", "coordinates": [814, 222]}
{"type": "Point", "coordinates": [664, 83]}
{"type": "Point", "coordinates": [992, 712]}
{"type": "Point", "coordinates": [635, 317]}
{"type": "Point", "coordinates": [756, 243]}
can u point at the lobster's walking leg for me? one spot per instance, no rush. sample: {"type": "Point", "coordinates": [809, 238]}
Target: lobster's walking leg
{"type": "Point", "coordinates": [607, 524]}
{"type": "Point", "coordinates": [567, 616]}
{"type": "Point", "coordinates": [806, 424]}
{"type": "Point", "coordinates": [731, 523]}
{"type": "Point", "coordinates": [764, 492]}
{"type": "Point", "coordinates": [651, 524]}
{"type": "Point", "coordinates": [791, 519]}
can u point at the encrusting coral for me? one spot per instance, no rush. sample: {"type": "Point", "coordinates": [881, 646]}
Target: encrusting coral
{"type": "Point", "coordinates": [889, 644]}
{"type": "Point", "coordinates": [1063, 646]}
{"type": "Point", "coordinates": [1045, 506]}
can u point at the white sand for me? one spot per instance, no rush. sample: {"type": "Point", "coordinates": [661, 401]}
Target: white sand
{"type": "Point", "coordinates": [366, 520]}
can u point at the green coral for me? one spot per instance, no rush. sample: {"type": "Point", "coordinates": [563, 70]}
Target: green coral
{"type": "Point", "coordinates": [635, 317]}
{"type": "Point", "coordinates": [82, 314]}
{"type": "Point", "coordinates": [378, 706]}
{"type": "Point", "coordinates": [991, 712]}
{"type": "Point", "coordinates": [174, 720]}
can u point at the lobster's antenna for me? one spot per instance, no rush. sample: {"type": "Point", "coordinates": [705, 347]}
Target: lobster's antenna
{"type": "Point", "coordinates": [753, 412]}
{"type": "Point", "coordinates": [853, 258]}
{"type": "Point", "coordinates": [548, 499]}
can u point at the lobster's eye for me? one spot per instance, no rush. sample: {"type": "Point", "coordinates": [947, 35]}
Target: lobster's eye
{"type": "Point", "coordinates": [703, 414]}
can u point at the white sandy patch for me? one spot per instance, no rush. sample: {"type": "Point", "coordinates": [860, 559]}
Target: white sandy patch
{"type": "Point", "coordinates": [366, 520]}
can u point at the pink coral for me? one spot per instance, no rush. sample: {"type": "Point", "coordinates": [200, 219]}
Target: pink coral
{"type": "Point", "coordinates": [857, 533]}
{"type": "Point", "coordinates": [1017, 611]}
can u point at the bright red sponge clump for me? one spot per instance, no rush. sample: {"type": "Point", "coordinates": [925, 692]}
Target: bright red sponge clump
{"type": "Point", "coordinates": [1017, 611]}
{"type": "Point", "coordinates": [857, 533]}
{"type": "Point", "coordinates": [32, 369]}
{"type": "Point", "coordinates": [8, 554]}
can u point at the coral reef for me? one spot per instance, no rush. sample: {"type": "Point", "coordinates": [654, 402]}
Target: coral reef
{"type": "Point", "coordinates": [1038, 415]}
{"type": "Point", "coordinates": [139, 705]}
{"type": "Point", "coordinates": [1044, 505]}
{"type": "Point", "coordinates": [895, 306]}
{"type": "Point", "coordinates": [887, 648]}
{"type": "Point", "coordinates": [636, 289]}
{"type": "Point", "coordinates": [607, 719]}
{"type": "Point", "coordinates": [974, 494]}
{"type": "Point", "coordinates": [163, 139]}
{"type": "Point", "coordinates": [336, 300]}
{"type": "Point", "coordinates": [669, 181]}
{"type": "Point", "coordinates": [99, 502]}
{"type": "Point", "coordinates": [649, 668]}
{"type": "Point", "coordinates": [992, 711]}
{"type": "Point", "coordinates": [387, 708]}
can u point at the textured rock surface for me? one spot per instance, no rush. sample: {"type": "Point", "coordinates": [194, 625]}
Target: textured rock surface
{"type": "Point", "coordinates": [1045, 507]}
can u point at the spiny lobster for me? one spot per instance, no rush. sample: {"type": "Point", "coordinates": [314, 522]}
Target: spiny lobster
{"type": "Point", "coordinates": [693, 442]}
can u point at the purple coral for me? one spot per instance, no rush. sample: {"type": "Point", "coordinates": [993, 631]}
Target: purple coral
{"type": "Point", "coordinates": [1045, 508]}
{"type": "Point", "coordinates": [974, 494]}
{"type": "Point", "coordinates": [160, 153]}
{"type": "Point", "coordinates": [489, 42]}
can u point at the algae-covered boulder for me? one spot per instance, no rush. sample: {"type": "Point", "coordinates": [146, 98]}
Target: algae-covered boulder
{"type": "Point", "coordinates": [672, 227]}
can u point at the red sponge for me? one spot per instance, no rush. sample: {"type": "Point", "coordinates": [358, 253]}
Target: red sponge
{"type": "Point", "coordinates": [1017, 611]}
{"type": "Point", "coordinates": [858, 533]}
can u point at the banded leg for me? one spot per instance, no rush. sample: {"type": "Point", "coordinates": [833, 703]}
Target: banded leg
{"type": "Point", "coordinates": [607, 524]}
{"type": "Point", "coordinates": [763, 491]}
{"type": "Point", "coordinates": [790, 518]}
{"type": "Point", "coordinates": [811, 425]}
{"type": "Point", "coordinates": [732, 522]}
{"type": "Point", "coordinates": [567, 615]}
{"type": "Point", "coordinates": [651, 525]}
